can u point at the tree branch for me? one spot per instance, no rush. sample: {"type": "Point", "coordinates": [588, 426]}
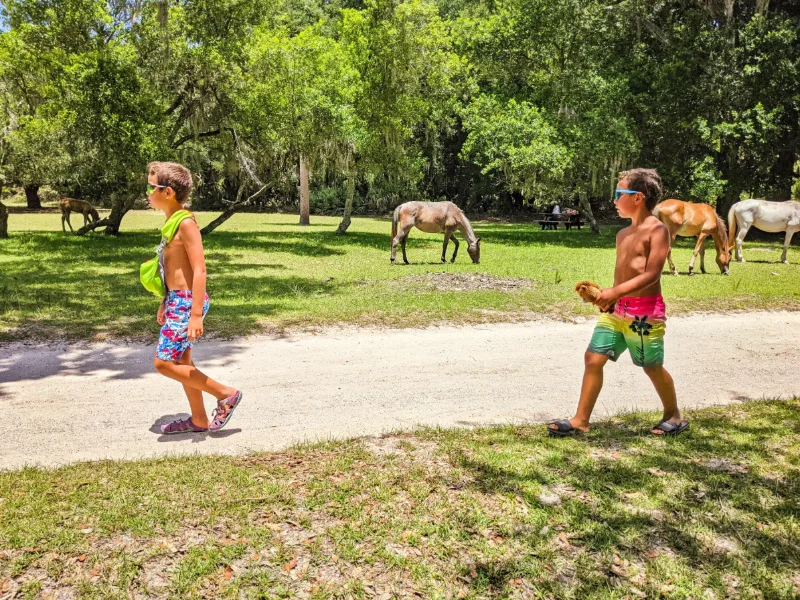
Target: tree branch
{"type": "Point", "coordinates": [228, 212]}
{"type": "Point", "coordinates": [92, 226]}
{"type": "Point", "coordinates": [181, 141]}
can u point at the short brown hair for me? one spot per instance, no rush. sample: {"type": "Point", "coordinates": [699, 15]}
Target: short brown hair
{"type": "Point", "coordinates": [173, 175]}
{"type": "Point", "coordinates": [646, 181]}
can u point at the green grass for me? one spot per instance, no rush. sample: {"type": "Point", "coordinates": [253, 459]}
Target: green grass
{"type": "Point", "coordinates": [267, 273]}
{"type": "Point", "coordinates": [501, 512]}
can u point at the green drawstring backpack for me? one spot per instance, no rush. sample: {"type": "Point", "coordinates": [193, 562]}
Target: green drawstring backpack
{"type": "Point", "coordinates": [151, 273]}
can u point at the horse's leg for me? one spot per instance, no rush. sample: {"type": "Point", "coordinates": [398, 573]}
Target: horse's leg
{"type": "Point", "coordinates": [455, 252]}
{"type": "Point", "coordinates": [403, 237]}
{"type": "Point", "coordinates": [697, 248]}
{"type": "Point", "coordinates": [444, 247]}
{"type": "Point", "coordinates": [400, 237]}
{"type": "Point", "coordinates": [70, 224]}
{"type": "Point", "coordinates": [669, 256]}
{"type": "Point", "coordinates": [703, 259]}
{"type": "Point", "coordinates": [790, 231]}
{"type": "Point", "coordinates": [63, 219]}
{"type": "Point", "coordinates": [743, 229]}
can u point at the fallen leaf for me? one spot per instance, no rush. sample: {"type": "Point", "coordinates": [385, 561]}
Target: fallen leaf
{"type": "Point", "coordinates": [618, 571]}
{"type": "Point", "coordinates": [255, 557]}
{"type": "Point", "coordinates": [658, 472]}
{"type": "Point", "coordinates": [290, 565]}
{"type": "Point", "coordinates": [82, 558]}
{"type": "Point", "coordinates": [563, 539]}
{"type": "Point", "coordinates": [334, 559]}
{"type": "Point", "coordinates": [228, 574]}
{"type": "Point", "coordinates": [637, 592]}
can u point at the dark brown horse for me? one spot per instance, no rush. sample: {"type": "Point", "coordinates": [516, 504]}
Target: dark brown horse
{"type": "Point", "coordinates": [70, 205]}
{"type": "Point", "coordinates": [434, 217]}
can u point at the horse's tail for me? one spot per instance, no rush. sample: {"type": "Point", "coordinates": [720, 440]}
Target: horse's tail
{"type": "Point", "coordinates": [395, 219]}
{"type": "Point", "coordinates": [731, 227]}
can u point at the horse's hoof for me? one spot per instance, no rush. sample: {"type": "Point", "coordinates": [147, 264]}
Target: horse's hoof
{"type": "Point", "coordinates": [691, 273]}
{"type": "Point", "coordinates": [444, 260]}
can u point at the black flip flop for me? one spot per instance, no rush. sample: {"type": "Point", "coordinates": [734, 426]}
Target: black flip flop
{"type": "Point", "coordinates": [565, 428]}
{"type": "Point", "coordinates": [670, 428]}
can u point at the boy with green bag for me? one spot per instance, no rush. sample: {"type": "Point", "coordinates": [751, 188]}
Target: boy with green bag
{"type": "Point", "coordinates": [178, 276]}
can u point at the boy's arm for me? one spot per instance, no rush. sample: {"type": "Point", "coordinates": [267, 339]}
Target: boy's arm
{"type": "Point", "coordinates": [193, 242]}
{"type": "Point", "coordinates": [659, 248]}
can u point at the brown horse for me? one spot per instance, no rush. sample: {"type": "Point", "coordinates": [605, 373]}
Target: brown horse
{"type": "Point", "coordinates": [434, 217]}
{"type": "Point", "coordinates": [692, 219]}
{"type": "Point", "coordinates": [70, 205]}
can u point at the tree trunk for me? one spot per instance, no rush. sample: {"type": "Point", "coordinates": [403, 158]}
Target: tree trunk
{"type": "Point", "coordinates": [348, 205]}
{"type": "Point", "coordinates": [586, 210]}
{"type": "Point", "coordinates": [229, 212]}
{"type": "Point", "coordinates": [305, 200]}
{"type": "Point", "coordinates": [113, 221]}
{"type": "Point", "coordinates": [3, 221]}
{"type": "Point", "coordinates": [32, 196]}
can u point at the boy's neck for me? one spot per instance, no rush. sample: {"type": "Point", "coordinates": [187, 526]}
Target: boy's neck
{"type": "Point", "coordinates": [640, 216]}
{"type": "Point", "coordinates": [168, 212]}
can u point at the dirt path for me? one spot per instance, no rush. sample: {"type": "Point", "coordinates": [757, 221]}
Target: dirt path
{"type": "Point", "coordinates": [65, 403]}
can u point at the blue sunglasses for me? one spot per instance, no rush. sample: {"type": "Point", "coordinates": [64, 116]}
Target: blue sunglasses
{"type": "Point", "coordinates": [620, 192]}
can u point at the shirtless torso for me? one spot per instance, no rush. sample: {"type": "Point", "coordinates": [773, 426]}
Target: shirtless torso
{"type": "Point", "coordinates": [633, 252]}
{"type": "Point", "coordinates": [177, 267]}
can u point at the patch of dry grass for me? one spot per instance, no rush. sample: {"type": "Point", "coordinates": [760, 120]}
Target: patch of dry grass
{"type": "Point", "coordinates": [503, 512]}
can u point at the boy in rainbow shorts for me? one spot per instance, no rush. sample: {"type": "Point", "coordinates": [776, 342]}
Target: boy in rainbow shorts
{"type": "Point", "coordinates": [634, 315]}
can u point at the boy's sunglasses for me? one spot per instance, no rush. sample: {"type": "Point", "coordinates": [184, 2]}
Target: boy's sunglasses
{"type": "Point", "coordinates": [152, 188]}
{"type": "Point", "coordinates": [620, 192]}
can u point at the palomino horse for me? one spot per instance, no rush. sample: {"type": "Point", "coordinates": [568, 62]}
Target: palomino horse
{"type": "Point", "coordinates": [766, 216]}
{"type": "Point", "coordinates": [690, 219]}
{"type": "Point", "coordinates": [70, 205]}
{"type": "Point", "coordinates": [433, 217]}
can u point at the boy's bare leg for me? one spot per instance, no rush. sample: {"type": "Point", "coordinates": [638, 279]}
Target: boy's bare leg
{"type": "Point", "coordinates": [590, 390]}
{"type": "Point", "coordinates": [191, 376]}
{"type": "Point", "coordinates": [195, 396]}
{"type": "Point", "coordinates": [665, 388]}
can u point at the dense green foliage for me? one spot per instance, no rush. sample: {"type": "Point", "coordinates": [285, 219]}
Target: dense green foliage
{"type": "Point", "coordinates": [493, 104]}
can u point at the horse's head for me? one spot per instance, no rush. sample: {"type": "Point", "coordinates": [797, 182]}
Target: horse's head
{"type": "Point", "coordinates": [724, 261]}
{"type": "Point", "coordinates": [475, 251]}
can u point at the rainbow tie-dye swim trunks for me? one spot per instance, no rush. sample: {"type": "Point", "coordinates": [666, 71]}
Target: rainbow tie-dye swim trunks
{"type": "Point", "coordinates": [637, 324]}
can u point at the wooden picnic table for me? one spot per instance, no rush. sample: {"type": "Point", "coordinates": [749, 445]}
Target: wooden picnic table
{"type": "Point", "coordinates": [552, 221]}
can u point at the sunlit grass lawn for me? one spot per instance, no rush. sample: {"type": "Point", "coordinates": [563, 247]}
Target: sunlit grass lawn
{"type": "Point", "coordinates": [502, 512]}
{"type": "Point", "coordinates": [267, 273]}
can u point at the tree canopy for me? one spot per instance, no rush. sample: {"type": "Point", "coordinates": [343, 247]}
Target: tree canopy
{"type": "Point", "coordinates": [493, 104]}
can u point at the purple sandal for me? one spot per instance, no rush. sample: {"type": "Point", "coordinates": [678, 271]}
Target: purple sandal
{"type": "Point", "coordinates": [224, 410]}
{"type": "Point", "coordinates": [181, 426]}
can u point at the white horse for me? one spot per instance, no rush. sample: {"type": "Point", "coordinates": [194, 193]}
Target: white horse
{"type": "Point", "coordinates": [766, 216]}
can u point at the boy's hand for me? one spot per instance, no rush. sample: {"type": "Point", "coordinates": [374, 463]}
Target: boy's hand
{"type": "Point", "coordinates": [606, 300]}
{"type": "Point", "coordinates": [195, 327]}
{"type": "Point", "coordinates": [161, 314]}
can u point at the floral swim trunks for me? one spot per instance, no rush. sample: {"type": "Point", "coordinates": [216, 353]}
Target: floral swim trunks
{"type": "Point", "coordinates": [174, 338]}
{"type": "Point", "coordinates": [637, 324]}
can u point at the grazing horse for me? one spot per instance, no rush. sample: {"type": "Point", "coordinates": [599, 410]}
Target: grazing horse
{"type": "Point", "coordinates": [766, 216]}
{"type": "Point", "coordinates": [433, 217]}
{"type": "Point", "coordinates": [70, 205]}
{"type": "Point", "coordinates": [690, 219]}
